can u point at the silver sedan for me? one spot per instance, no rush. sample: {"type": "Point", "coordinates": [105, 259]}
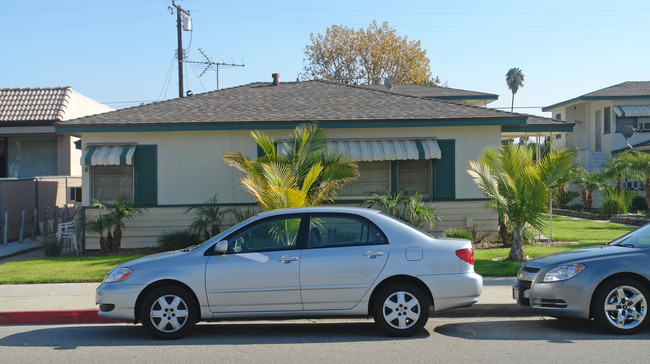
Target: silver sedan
{"type": "Point", "coordinates": [306, 262]}
{"type": "Point", "coordinates": [610, 283]}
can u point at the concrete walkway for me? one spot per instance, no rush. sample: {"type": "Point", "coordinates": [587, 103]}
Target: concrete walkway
{"type": "Point", "coordinates": [28, 249]}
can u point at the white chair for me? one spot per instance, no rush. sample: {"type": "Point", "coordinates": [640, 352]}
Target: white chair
{"type": "Point", "coordinates": [67, 232]}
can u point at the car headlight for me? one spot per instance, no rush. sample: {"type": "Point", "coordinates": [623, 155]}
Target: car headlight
{"type": "Point", "coordinates": [563, 272]}
{"type": "Point", "coordinates": [118, 275]}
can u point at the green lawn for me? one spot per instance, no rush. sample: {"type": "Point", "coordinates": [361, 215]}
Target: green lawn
{"type": "Point", "coordinates": [490, 262]}
{"type": "Point", "coordinates": [60, 270]}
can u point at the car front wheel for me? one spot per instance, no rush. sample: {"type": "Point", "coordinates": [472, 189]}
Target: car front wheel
{"type": "Point", "coordinates": [168, 313]}
{"type": "Point", "coordinates": [401, 309]}
{"type": "Point", "coordinates": [621, 306]}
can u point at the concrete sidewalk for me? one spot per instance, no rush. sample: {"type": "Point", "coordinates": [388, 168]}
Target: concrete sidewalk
{"type": "Point", "coordinates": [75, 303]}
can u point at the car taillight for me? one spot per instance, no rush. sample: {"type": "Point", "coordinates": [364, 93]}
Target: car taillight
{"type": "Point", "coordinates": [467, 255]}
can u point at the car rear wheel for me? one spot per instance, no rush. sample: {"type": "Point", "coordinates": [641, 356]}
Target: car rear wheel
{"type": "Point", "coordinates": [168, 312]}
{"type": "Point", "coordinates": [401, 309]}
{"type": "Point", "coordinates": [621, 306]}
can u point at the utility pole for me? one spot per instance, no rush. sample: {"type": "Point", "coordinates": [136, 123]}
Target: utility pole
{"type": "Point", "coordinates": [179, 21]}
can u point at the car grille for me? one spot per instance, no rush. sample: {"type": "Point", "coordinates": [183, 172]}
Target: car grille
{"type": "Point", "coordinates": [523, 287]}
{"type": "Point", "coordinates": [531, 269]}
{"type": "Point", "coordinates": [550, 303]}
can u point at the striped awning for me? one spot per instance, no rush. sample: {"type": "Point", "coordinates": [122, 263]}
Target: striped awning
{"type": "Point", "coordinates": [631, 111]}
{"type": "Point", "coordinates": [365, 150]}
{"type": "Point", "coordinates": [108, 155]}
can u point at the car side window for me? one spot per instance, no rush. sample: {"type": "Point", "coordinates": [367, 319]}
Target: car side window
{"type": "Point", "coordinates": [326, 230]}
{"type": "Point", "coordinates": [277, 233]}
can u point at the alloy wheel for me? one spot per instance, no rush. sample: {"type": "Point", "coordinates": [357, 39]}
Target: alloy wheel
{"type": "Point", "coordinates": [625, 307]}
{"type": "Point", "coordinates": [401, 310]}
{"type": "Point", "coordinates": [169, 313]}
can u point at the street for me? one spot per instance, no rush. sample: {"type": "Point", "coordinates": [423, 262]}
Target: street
{"type": "Point", "coordinates": [446, 340]}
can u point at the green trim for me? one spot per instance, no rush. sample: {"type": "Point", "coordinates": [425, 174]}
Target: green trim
{"type": "Point", "coordinates": [418, 144]}
{"type": "Point", "coordinates": [145, 175]}
{"type": "Point", "coordinates": [393, 176]}
{"type": "Point", "coordinates": [89, 155]}
{"type": "Point", "coordinates": [536, 129]}
{"type": "Point", "coordinates": [288, 125]}
{"type": "Point", "coordinates": [125, 151]}
{"type": "Point", "coordinates": [190, 205]}
{"type": "Point", "coordinates": [443, 171]}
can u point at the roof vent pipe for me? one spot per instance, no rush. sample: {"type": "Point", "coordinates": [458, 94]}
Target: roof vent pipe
{"type": "Point", "coordinates": [276, 78]}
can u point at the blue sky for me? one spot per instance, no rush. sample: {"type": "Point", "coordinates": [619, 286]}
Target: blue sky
{"type": "Point", "coordinates": [122, 52]}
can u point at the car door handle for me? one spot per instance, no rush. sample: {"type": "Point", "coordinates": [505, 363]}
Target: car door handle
{"type": "Point", "coordinates": [372, 254]}
{"type": "Point", "coordinates": [287, 259]}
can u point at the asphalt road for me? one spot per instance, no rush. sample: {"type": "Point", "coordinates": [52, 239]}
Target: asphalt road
{"type": "Point", "coordinates": [446, 340]}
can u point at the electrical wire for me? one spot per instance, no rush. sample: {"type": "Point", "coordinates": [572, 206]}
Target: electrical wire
{"type": "Point", "coordinates": [167, 78]}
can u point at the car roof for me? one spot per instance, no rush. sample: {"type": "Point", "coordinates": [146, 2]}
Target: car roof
{"type": "Point", "coordinates": [316, 209]}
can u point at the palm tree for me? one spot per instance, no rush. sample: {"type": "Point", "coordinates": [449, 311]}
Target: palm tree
{"type": "Point", "coordinates": [590, 181]}
{"type": "Point", "coordinates": [305, 173]}
{"type": "Point", "coordinates": [208, 217]}
{"type": "Point", "coordinates": [618, 168]}
{"type": "Point", "coordinates": [518, 188]}
{"type": "Point", "coordinates": [641, 170]}
{"type": "Point", "coordinates": [120, 210]}
{"type": "Point", "coordinates": [514, 80]}
{"type": "Point", "coordinates": [405, 205]}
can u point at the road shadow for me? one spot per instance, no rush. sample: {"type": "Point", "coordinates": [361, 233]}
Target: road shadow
{"type": "Point", "coordinates": [546, 328]}
{"type": "Point", "coordinates": [70, 337]}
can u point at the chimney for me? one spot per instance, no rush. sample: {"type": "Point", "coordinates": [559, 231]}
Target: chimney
{"type": "Point", "coordinates": [276, 77]}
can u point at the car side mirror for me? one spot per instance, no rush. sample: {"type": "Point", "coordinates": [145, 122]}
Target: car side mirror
{"type": "Point", "coordinates": [221, 247]}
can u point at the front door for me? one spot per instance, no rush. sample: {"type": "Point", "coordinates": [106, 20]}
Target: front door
{"type": "Point", "coordinates": [598, 131]}
{"type": "Point", "coordinates": [260, 272]}
{"type": "Point", "coordinates": [343, 258]}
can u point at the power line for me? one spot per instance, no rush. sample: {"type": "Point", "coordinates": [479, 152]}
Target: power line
{"type": "Point", "coordinates": [78, 25]}
{"type": "Point", "coordinates": [120, 5]}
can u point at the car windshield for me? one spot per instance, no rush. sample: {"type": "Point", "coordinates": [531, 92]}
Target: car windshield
{"type": "Point", "coordinates": [639, 238]}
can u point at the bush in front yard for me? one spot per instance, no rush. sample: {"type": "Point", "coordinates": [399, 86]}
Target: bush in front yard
{"type": "Point", "coordinates": [457, 233]}
{"type": "Point", "coordinates": [53, 247]}
{"type": "Point", "coordinates": [179, 239]}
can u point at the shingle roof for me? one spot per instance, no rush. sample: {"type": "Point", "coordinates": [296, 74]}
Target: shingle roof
{"type": "Point", "coordinates": [291, 102]}
{"type": "Point", "coordinates": [33, 105]}
{"type": "Point", "coordinates": [432, 92]}
{"type": "Point", "coordinates": [625, 90]}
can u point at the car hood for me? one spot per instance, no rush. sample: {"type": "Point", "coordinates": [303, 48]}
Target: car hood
{"type": "Point", "coordinates": [154, 258]}
{"type": "Point", "coordinates": [580, 255]}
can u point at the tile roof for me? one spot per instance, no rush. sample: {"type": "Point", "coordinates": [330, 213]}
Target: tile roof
{"type": "Point", "coordinates": [33, 105]}
{"type": "Point", "coordinates": [291, 102]}
{"type": "Point", "coordinates": [625, 90]}
{"type": "Point", "coordinates": [433, 92]}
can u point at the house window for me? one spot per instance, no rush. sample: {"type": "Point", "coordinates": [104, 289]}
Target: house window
{"type": "Point", "coordinates": [558, 116]}
{"type": "Point", "coordinates": [415, 175]}
{"type": "Point", "coordinates": [137, 182]}
{"type": "Point", "coordinates": [431, 178]}
{"type": "Point", "coordinates": [607, 112]}
{"type": "Point", "coordinates": [110, 182]}
{"type": "Point", "coordinates": [373, 177]}
{"type": "Point", "coordinates": [74, 194]}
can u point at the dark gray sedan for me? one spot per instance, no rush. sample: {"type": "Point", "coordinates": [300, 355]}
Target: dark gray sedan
{"type": "Point", "coordinates": [610, 283]}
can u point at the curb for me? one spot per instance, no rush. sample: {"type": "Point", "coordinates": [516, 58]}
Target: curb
{"type": "Point", "coordinates": [53, 317]}
{"type": "Point", "coordinates": [488, 310]}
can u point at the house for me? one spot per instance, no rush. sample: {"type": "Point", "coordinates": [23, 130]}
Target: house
{"type": "Point", "coordinates": [166, 155]}
{"type": "Point", "coordinates": [600, 116]}
{"type": "Point", "coordinates": [39, 168]}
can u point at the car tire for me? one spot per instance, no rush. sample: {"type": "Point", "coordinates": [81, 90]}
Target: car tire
{"type": "Point", "coordinates": [401, 309]}
{"type": "Point", "coordinates": [168, 312]}
{"type": "Point", "coordinates": [621, 306]}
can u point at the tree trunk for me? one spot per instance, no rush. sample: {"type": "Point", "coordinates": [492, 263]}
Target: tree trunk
{"type": "Point", "coordinates": [590, 199]}
{"type": "Point", "coordinates": [215, 229]}
{"type": "Point", "coordinates": [517, 248]}
{"type": "Point", "coordinates": [503, 232]}
{"type": "Point", "coordinates": [618, 188]}
{"type": "Point", "coordinates": [117, 239]}
{"type": "Point", "coordinates": [512, 106]}
{"type": "Point", "coordinates": [109, 241]}
{"type": "Point", "coordinates": [584, 197]}
{"type": "Point", "coordinates": [103, 244]}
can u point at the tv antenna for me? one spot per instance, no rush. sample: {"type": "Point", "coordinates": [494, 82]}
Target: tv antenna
{"type": "Point", "coordinates": [627, 132]}
{"type": "Point", "coordinates": [209, 63]}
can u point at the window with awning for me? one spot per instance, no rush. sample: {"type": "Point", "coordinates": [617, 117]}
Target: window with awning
{"type": "Point", "coordinates": [636, 116]}
{"type": "Point", "coordinates": [108, 155]}
{"type": "Point", "coordinates": [368, 150]}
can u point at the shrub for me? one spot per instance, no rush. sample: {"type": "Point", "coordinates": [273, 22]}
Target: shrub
{"type": "Point", "coordinates": [53, 247]}
{"type": "Point", "coordinates": [477, 235]}
{"type": "Point", "coordinates": [457, 233]}
{"type": "Point", "coordinates": [615, 202]}
{"type": "Point", "coordinates": [639, 204]}
{"type": "Point", "coordinates": [529, 237]}
{"type": "Point", "coordinates": [564, 197]}
{"type": "Point", "coordinates": [179, 239]}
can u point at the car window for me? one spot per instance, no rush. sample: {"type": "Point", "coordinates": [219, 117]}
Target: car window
{"type": "Point", "coordinates": [639, 238]}
{"type": "Point", "coordinates": [327, 230]}
{"type": "Point", "coordinates": [276, 233]}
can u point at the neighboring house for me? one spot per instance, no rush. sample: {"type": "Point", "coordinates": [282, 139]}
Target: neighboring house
{"type": "Point", "coordinates": [599, 117]}
{"type": "Point", "coordinates": [35, 162]}
{"type": "Point", "coordinates": [465, 97]}
{"type": "Point", "coordinates": [167, 155]}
